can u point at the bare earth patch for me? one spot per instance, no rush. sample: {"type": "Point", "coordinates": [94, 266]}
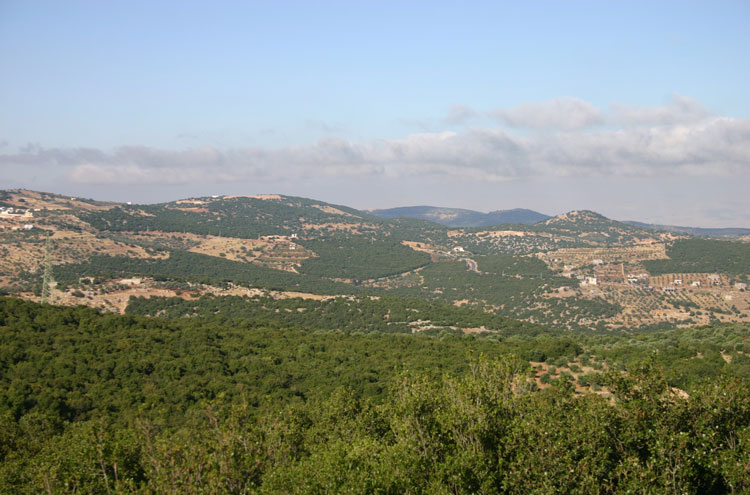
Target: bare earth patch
{"type": "Point", "coordinates": [332, 210]}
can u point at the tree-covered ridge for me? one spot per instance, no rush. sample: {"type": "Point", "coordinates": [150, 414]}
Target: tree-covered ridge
{"type": "Point", "coordinates": [348, 314]}
{"type": "Point", "coordinates": [704, 256]}
{"type": "Point", "coordinates": [243, 217]}
{"type": "Point", "coordinates": [183, 265]}
{"type": "Point", "coordinates": [93, 403]}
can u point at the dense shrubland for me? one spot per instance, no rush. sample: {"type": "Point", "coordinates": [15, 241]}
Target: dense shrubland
{"type": "Point", "coordinates": [349, 314]}
{"type": "Point", "coordinates": [93, 403]}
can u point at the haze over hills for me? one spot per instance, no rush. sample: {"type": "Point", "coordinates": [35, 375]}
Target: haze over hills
{"type": "Point", "coordinates": [457, 217]}
{"type": "Point", "coordinates": [697, 231]}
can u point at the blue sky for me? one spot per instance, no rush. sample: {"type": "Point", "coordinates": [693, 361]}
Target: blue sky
{"type": "Point", "coordinates": [484, 105]}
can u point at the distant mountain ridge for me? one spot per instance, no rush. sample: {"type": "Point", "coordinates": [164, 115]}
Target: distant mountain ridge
{"type": "Point", "coordinates": [458, 217]}
{"type": "Point", "coordinates": [697, 231]}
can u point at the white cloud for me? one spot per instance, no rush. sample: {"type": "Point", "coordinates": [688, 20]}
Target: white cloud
{"type": "Point", "coordinates": [564, 114]}
{"type": "Point", "coordinates": [681, 140]}
{"type": "Point", "coordinates": [679, 110]}
{"type": "Point", "coordinates": [460, 114]}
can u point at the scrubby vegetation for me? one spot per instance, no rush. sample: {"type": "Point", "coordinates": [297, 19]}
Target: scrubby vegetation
{"type": "Point", "coordinates": [93, 403]}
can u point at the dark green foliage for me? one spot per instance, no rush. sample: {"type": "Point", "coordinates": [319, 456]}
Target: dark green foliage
{"type": "Point", "coordinates": [486, 431]}
{"type": "Point", "coordinates": [349, 314]}
{"type": "Point", "coordinates": [183, 265]}
{"type": "Point", "coordinates": [451, 280]}
{"type": "Point", "coordinates": [704, 256]}
{"type": "Point", "coordinates": [691, 356]}
{"type": "Point", "coordinates": [357, 258]}
{"type": "Point", "coordinates": [93, 403]}
{"type": "Point", "coordinates": [74, 362]}
{"type": "Point", "coordinates": [514, 292]}
{"type": "Point", "coordinates": [509, 264]}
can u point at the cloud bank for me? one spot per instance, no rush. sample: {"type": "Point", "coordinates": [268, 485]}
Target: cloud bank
{"type": "Point", "coordinates": [680, 138]}
{"type": "Point", "coordinates": [565, 114]}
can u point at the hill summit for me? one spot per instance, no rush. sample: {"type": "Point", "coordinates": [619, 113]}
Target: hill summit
{"type": "Point", "coordinates": [578, 218]}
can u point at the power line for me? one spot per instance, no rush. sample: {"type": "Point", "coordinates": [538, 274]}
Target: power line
{"type": "Point", "coordinates": [47, 269]}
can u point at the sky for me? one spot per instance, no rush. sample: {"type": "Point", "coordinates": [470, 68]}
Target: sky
{"type": "Point", "coordinates": [637, 110]}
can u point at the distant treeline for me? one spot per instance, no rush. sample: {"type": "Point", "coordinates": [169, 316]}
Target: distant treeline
{"type": "Point", "coordinates": [239, 217]}
{"type": "Point", "coordinates": [704, 256]}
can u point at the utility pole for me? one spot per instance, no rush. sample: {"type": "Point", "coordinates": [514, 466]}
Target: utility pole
{"type": "Point", "coordinates": [47, 269]}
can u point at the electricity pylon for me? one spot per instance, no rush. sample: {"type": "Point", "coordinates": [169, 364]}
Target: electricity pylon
{"type": "Point", "coordinates": [47, 269]}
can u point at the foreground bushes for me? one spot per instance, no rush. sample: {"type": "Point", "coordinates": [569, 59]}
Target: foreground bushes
{"type": "Point", "coordinates": [485, 432]}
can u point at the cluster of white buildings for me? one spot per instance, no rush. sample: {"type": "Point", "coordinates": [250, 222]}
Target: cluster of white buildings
{"type": "Point", "coordinates": [16, 215]}
{"type": "Point", "coordinates": [11, 212]}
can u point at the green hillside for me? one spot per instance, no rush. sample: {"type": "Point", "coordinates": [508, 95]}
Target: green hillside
{"type": "Point", "coordinates": [704, 255]}
{"type": "Point", "coordinates": [93, 403]}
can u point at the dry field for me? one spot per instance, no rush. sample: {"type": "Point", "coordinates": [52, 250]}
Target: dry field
{"type": "Point", "coordinates": [66, 247]}
{"type": "Point", "coordinates": [332, 210]}
{"type": "Point", "coordinates": [684, 307]}
{"type": "Point", "coordinates": [577, 257]}
{"type": "Point", "coordinates": [704, 280]}
{"type": "Point", "coordinates": [230, 248]}
{"type": "Point", "coordinates": [280, 252]}
{"type": "Point", "coordinates": [23, 198]}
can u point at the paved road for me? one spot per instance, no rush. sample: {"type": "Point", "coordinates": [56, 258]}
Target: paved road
{"type": "Point", "coordinates": [472, 265]}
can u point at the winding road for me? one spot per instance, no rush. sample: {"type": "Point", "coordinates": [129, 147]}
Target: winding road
{"type": "Point", "coordinates": [472, 265]}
